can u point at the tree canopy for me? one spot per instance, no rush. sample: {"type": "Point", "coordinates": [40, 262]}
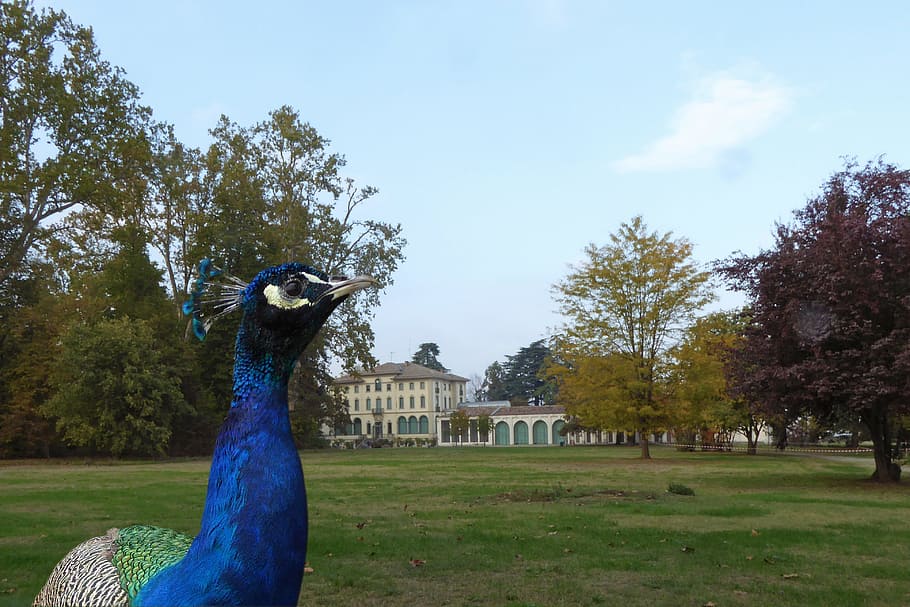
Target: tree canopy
{"type": "Point", "coordinates": [92, 189]}
{"type": "Point", "coordinates": [427, 355]}
{"type": "Point", "coordinates": [520, 379]}
{"type": "Point", "coordinates": [623, 306]}
{"type": "Point", "coordinates": [830, 329]}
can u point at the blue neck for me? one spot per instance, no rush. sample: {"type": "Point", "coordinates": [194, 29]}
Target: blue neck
{"type": "Point", "coordinates": [251, 547]}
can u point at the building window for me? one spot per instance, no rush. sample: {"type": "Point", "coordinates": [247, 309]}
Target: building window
{"type": "Point", "coordinates": [424, 424]}
{"type": "Point", "coordinates": [388, 387]}
{"type": "Point", "coordinates": [378, 385]}
{"type": "Point", "coordinates": [402, 425]}
{"type": "Point", "coordinates": [401, 385]}
{"type": "Point", "coordinates": [412, 386]}
{"type": "Point", "coordinates": [401, 402]}
{"type": "Point", "coordinates": [369, 407]}
{"type": "Point", "coordinates": [388, 406]}
{"type": "Point", "coordinates": [357, 406]}
{"type": "Point", "coordinates": [423, 385]}
{"type": "Point", "coordinates": [356, 389]}
{"type": "Point", "coordinates": [412, 402]}
{"type": "Point", "coordinates": [423, 402]}
{"type": "Point", "coordinates": [368, 387]}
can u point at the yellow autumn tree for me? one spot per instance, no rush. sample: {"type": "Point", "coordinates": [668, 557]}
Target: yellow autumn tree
{"type": "Point", "coordinates": [702, 394]}
{"type": "Point", "coordinates": [623, 305]}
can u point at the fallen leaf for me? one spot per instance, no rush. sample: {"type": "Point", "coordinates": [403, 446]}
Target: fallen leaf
{"type": "Point", "coordinates": [307, 569]}
{"type": "Point", "coordinates": [790, 576]}
{"type": "Point", "coordinates": [710, 604]}
{"type": "Point", "coordinates": [755, 533]}
{"type": "Point", "coordinates": [749, 558]}
{"type": "Point", "coordinates": [688, 549]}
{"type": "Point", "coordinates": [417, 562]}
{"type": "Point", "coordinates": [361, 524]}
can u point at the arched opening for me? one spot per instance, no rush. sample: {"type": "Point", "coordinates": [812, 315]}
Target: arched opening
{"type": "Point", "coordinates": [424, 424]}
{"type": "Point", "coordinates": [501, 436]}
{"type": "Point", "coordinates": [558, 438]}
{"type": "Point", "coordinates": [413, 427]}
{"type": "Point", "coordinates": [402, 425]}
{"type": "Point", "coordinates": [521, 433]}
{"type": "Point", "coordinates": [358, 426]}
{"type": "Point", "coordinates": [540, 432]}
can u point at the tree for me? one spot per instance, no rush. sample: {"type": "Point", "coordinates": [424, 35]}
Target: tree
{"type": "Point", "coordinates": [426, 355]}
{"type": "Point", "coordinates": [30, 334]}
{"type": "Point", "coordinates": [704, 399]}
{"type": "Point", "coordinates": [520, 379]}
{"type": "Point", "coordinates": [523, 380]}
{"type": "Point", "coordinates": [493, 386]}
{"type": "Point", "coordinates": [114, 391]}
{"type": "Point", "coordinates": [484, 426]}
{"type": "Point", "coordinates": [830, 330]}
{"type": "Point", "coordinates": [72, 128]}
{"type": "Point", "coordinates": [623, 306]}
{"type": "Point", "coordinates": [459, 422]}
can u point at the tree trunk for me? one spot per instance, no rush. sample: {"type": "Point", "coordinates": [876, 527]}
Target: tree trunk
{"type": "Point", "coordinates": [886, 470]}
{"type": "Point", "coordinates": [645, 451]}
{"type": "Point", "coordinates": [753, 444]}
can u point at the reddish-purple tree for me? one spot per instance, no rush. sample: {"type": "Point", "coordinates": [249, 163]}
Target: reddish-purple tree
{"type": "Point", "coordinates": [830, 302]}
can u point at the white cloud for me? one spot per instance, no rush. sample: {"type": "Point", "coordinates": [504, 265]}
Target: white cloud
{"type": "Point", "coordinates": [724, 114]}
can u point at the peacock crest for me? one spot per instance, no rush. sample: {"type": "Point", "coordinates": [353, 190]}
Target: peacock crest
{"type": "Point", "coordinates": [215, 294]}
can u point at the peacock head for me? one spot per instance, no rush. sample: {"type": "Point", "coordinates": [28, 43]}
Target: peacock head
{"type": "Point", "coordinates": [283, 306]}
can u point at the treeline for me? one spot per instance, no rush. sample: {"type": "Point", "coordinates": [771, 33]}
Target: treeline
{"type": "Point", "coordinates": [822, 347]}
{"type": "Point", "coordinates": [94, 355]}
{"type": "Point", "coordinates": [823, 344]}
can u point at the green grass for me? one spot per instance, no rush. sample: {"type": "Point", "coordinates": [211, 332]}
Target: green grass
{"type": "Point", "coordinates": [517, 526]}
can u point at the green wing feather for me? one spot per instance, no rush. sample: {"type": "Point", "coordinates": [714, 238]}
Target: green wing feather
{"type": "Point", "coordinates": [142, 551]}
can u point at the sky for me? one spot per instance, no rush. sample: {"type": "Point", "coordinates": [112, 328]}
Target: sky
{"type": "Point", "coordinates": [505, 136]}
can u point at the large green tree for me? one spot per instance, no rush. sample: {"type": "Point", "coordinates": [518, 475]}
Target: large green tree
{"type": "Point", "coordinates": [72, 130]}
{"type": "Point", "coordinates": [623, 307]}
{"type": "Point", "coordinates": [114, 391]}
{"type": "Point", "coordinates": [521, 378]}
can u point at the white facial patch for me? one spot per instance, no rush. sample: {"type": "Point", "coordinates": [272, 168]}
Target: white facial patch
{"type": "Point", "coordinates": [278, 298]}
{"type": "Point", "coordinates": [313, 279]}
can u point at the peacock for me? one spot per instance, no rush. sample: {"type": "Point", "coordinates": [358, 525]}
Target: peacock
{"type": "Point", "coordinates": [251, 546]}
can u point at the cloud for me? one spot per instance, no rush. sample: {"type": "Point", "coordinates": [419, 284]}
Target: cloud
{"type": "Point", "coordinates": [725, 114]}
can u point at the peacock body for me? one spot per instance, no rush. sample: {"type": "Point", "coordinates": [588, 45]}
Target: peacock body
{"type": "Point", "coordinates": [251, 547]}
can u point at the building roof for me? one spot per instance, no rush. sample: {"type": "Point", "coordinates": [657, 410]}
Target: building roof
{"type": "Point", "coordinates": [496, 409]}
{"type": "Point", "coordinates": [401, 371]}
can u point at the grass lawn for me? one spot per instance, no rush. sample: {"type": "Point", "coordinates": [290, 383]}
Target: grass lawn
{"type": "Point", "coordinates": [517, 526]}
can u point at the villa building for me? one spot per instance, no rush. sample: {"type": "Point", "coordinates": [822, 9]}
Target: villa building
{"type": "Point", "coordinates": [398, 402]}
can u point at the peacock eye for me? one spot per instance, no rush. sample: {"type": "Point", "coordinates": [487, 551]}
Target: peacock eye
{"type": "Point", "coordinates": [294, 287]}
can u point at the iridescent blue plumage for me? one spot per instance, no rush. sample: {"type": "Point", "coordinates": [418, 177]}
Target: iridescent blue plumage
{"type": "Point", "coordinates": [251, 547]}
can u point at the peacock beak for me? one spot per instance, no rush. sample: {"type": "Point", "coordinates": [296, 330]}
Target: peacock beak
{"type": "Point", "coordinates": [341, 286]}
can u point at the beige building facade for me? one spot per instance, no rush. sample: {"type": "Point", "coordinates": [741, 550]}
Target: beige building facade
{"type": "Point", "coordinates": [398, 402]}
